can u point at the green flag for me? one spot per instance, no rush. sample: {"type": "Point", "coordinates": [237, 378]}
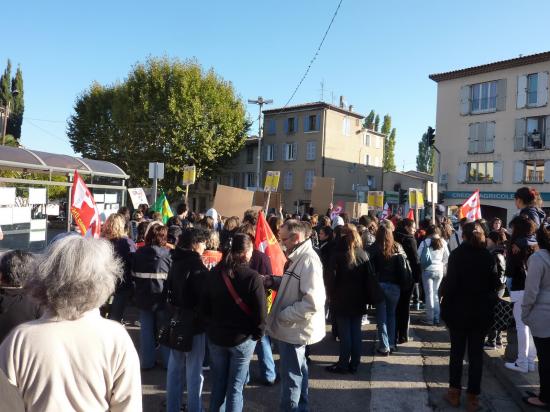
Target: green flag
{"type": "Point", "coordinates": [163, 207]}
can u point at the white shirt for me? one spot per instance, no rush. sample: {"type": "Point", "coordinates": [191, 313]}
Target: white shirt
{"type": "Point", "coordinates": [440, 257]}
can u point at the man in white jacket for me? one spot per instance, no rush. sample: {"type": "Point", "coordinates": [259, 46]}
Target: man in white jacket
{"type": "Point", "coordinates": [297, 317]}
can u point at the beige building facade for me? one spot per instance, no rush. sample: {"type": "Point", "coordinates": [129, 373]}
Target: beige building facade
{"type": "Point", "coordinates": [319, 139]}
{"type": "Point", "coordinates": [493, 131]}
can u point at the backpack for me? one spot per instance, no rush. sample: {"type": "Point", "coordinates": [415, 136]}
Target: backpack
{"type": "Point", "coordinates": [425, 257]}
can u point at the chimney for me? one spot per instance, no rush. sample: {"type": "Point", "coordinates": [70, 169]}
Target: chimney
{"type": "Point", "coordinates": [342, 102]}
{"type": "Point", "coordinates": [351, 108]}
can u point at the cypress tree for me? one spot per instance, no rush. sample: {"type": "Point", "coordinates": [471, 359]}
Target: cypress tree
{"type": "Point", "coordinates": [369, 121]}
{"type": "Point", "coordinates": [5, 85]}
{"type": "Point", "coordinates": [425, 156]}
{"type": "Point", "coordinates": [376, 123]}
{"type": "Point", "coordinates": [389, 151]}
{"type": "Point", "coordinates": [17, 106]}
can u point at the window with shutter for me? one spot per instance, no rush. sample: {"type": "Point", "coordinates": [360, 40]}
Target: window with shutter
{"type": "Point", "coordinates": [546, 171]}
{"type": "Point", "coordinates": [497, 178]}
{"type": "Point", "coordinates": [519, 138]}
{"type": "Point", "coordinates": [465, 100]}
{"type": "Point", "coordinates": [542, 89]}
{"type": "Point", "coordinates": [501, 95]}
{"type": "Point", "coordinates": [462, 172]}
{"type": "Point", "coordinates": [271, 127]}
{"type": "Point", "coordinates": [518, 171]}
{"type": "Point", "coordinates": [290, 151]}
{"type": "Point", "coordinates": [269, 152]}
{"type": "Point", "coordinates": [534, 171]}
{"type": "Point", "coordinates": [473, 138]}
{"type": "Point", "coordinates": [490, 137]}
{"type": "Point", "coordinates": [288, 180]}
{"type": "Point", "coordinates": [308, 179]}
{"type": "Point", "coordinates": [311, 149]}
{"type": "Point", "coordinates": [483, 97]}
{"type": "Point", "coordinates": [532, 87]}
{"type": "Point", "coordinates": [535, 133]}
{"type": "Point", "coordinates": [521, 98]}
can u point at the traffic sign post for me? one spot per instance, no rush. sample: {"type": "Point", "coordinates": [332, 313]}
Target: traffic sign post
{"type": "Point", "coordinates": [156, 172]}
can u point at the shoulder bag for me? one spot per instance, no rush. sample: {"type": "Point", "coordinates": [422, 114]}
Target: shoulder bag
{"type": "Point", "coordinates": [240, 303]}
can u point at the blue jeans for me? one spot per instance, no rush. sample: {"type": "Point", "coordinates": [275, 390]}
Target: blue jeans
{"type": "Point", "coordinates": [265, 359]}
{"type": "Point", "coordinates": [294, 377]}
{"type": "Point", "coordinates": [186, 367]}
{"type": "Point", "coordinates": [120, 298]}
{"type": "Point", "coordinates": [229, 371]}
{"type": "Point", "coordinates": [349, 330]}
{"type": "Point", "coordinates": [385, 316]}
{"type": "Point", "coordinates": [431, 281]}
{"type": "Point", "coordinates": [150, 321]}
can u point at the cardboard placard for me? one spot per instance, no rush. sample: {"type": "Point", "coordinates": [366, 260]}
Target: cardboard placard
{"type": "Point", "coordinates": [321, 193]}
{"type": "Point", "coordinates": [272, 181]}
{"type": "Point", "coordinates": [7, 196]}
{"type": "Point", "coordinates": [231, 201]}
{"type": "Point", "coordinates": [416, 198]}
{"type": "Point", "coordinates": [137, 195]}
{"type": "Point", "coordinates": [355, 209]}
{"type": "Point", "coordinates": [6, 215]}
{"type": "Point", "coordinates": [52, 209]}
{"type": "Point", "coordinates": [375, 199]}
{"type": "Point", "coordinates": [37, 196]}
{"type": "Point", "coordinates": [189, 175]}
{"type": "Point", "coordinates": [261, 197]}
{"type": "Point", "coordinates": [111, 197]}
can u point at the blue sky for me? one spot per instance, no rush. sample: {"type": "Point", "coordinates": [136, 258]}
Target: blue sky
{"type": "Point", "coordinates": [377, 54]}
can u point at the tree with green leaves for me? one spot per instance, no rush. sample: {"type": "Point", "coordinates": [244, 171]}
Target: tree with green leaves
{"type": "Point", "coordinates": [386, 125]}
{"type": "Point", "coordinates": [389, 151]}
{"type": "Point", "coordinates": [169, 111]}
{"type": "Point", "coordinates": [5, 85]}
{"type": "Point", "coordinates": [376, 123]}
{"type": "Point", "coordinates": [369, 121]}
{"type": "Point", "coordinates": [17, 106]}
{"type": "Point", "coordinates": [425, 156]}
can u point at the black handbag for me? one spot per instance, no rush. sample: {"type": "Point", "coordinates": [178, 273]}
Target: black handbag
{"type": "Point", "coordinates": [178, 332]}
{"type": "Point", "coordinates": [372, 291]}
{"type": "Point", "coordinates": [405, 272]}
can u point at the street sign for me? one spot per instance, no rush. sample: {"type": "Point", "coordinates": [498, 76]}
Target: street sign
{"type": "Point", "coordinates": [156, 170]}
{"type": "Point", "coordinates": [189, 175]}
{"type": "Point", "coordinates": [360, 188]}
{"type": "Point", "coordinates": [431, 192]}
{"type": "Point", "coordinates": [272, 181]}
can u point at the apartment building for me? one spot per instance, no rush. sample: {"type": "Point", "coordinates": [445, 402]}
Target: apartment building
{"type": "Point", "coordinates": [320, 139]}
{"type": "Point", "coordinates": [493, 131]}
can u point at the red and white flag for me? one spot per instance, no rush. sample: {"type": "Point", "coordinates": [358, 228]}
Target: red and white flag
{"type": "Point", "coordinates": [83, 208]}
{"type": "Point", "coordinates": [471, 209]}
{"type": "Point", "coordinates": [385, 212]}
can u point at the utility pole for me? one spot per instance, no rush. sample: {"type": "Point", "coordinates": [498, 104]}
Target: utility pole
{"type": "Point", "coordinates": [260, 101]}
{"type": "Point", "coordinates": [7, 116]}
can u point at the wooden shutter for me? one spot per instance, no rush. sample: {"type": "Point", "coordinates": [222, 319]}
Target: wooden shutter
{"type": "Point", "coordinates": [306, 123]}
{"type": "Point", "coordinates": [518, 171]}
{"type": "Point", "coordinates": [519, 139]}
{"type": "Point", "coordinates": [286, 125]}
{"type": "Point", "coordinates": [317, 122]}
{"type": "Point", "coordinates": [547, 132]}
{"type": "Point", "coordinates": [501, 95]}
{"type": "Point", "coordinates": [473, 138]}
{"type": "Point", "coordinates": [489, 137]}
{"type": "Point", "coordinates": [497, 178]}
{"type": "Point", "coordinates": [462, 172]}
{"type": "Point", "coordinates": [521, 100]}
{"type": "Point", "coordinates": [465, 100]}
{"type": "Point", "coordinates": [296, 125]}
{"type": "Point", "coordinates": [547, 171]}
{"type": "Point", "coordinates": [295, 145]}
{"type": "Point", "coordinates": [542, 89]}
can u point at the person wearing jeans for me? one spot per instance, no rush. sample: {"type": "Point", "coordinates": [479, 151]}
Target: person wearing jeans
{"type": "Point", "coordinates": [385, 317]}
{"type": "Point", "coordinates": [150, 322]}
{"type": "Point", "coordinates": [229, 370]}
{"type": "Point", "coordinates": [436, 248]}
{"type": "Point", "coordinates": [186, 366]}
{"type": "Point", "coordinates": [265, 360]}
{"type": "Point", "coordinates": [297, 317]}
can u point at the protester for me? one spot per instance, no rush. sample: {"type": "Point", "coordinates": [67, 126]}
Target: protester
{"type": "Point", "coordinates": [404, 234]}
{"type": "Point", "coordinates": [184, 289]}
{"type": "Point", "coordinates": [137, 218]}
{"type": "Point", "coordinates": [432, 274]}
{"type": "Point", "coordinates": [72, 358]}
{"type": "Point", "coordinates": [229, 229]}
{"type": "Point", "coordinates": [297, 316]}
{"type": "Point", "coordinates": [526, 202]}
{"type": "Point", "coordinates": [495, 245]}
{"type": "Point", "coordinates": [275, 223]}
{"type": "Point", "coordinates": [114, 230]}
{"type": "Point", "coordinates": [234, 303]}
{"type": "Point", "coordinates": [346, 276]}
{"type": "Point", "coordinates": [536, 313]}
{"type": "Point", "coordinates": [384, 255]}
{"type": "Point", "coordinates": [150, 267]}
{"type": "Point", "coordinates": [469, 296]}
{"type": "Point", "coordinates": [212, 256]}
{"type": "Point", "coordinates": [16, 307]}
{"type": "Point", "coordinates": [369, 236]}
{"type": "Point", "coordinates": [523, 238]}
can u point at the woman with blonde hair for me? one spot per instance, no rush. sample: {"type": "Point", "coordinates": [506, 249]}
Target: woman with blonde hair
{"type": "Point", "coordinates": [348, 266]}
{"type": "Point", "coordinates": [114, 231]}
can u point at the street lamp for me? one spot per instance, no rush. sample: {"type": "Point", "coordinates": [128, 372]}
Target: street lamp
{"type": "Point", "coordinates": [6, 110]}
{"type": "Point", "coordinates": [260, 101]}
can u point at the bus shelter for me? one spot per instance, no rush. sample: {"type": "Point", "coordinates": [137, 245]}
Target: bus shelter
{"type": "Point", "coordinates": [35, 193]}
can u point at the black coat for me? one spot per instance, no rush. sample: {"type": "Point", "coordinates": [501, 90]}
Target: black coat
{"type": "Point", "coordinates": [346, 283]}
{"type": "Point", "coordinates": [411, 250]}
{"type": "Point", "coordinates": [185, 283]}
{"type": "Point", "coordinates": [469, 290]}
{"type": "Point", "coordinates": [150, 267]}
{"type": "Point", "coordinates": [125, 249]}
{"type": "Point", "coordinates": [387, 270]}
{"type": "Point", "coordinates": [15, 308]}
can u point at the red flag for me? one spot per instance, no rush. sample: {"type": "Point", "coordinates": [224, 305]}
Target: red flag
{"type": "Point", "coordinates": [410, 215]}
{"type": "Point", "coordinates": [83, 208]}
{"type": "Point", "coordinates": [471, 208]}
{"type": "Point", "coordinates": [266, 242]}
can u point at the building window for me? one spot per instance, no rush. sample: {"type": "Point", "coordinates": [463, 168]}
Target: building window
{"type": "Point", "coordinates": [236, 181]}
{"type": "Point", "coordinates": [481, 137]}
{"type": "Point", "coordinates": [288, 180]}
{"type": "Point", "coordinates": [308, 180]}
{"type": "Point", "coordinates": [532, 86]}
{"type": "Point", "coordinates": [249, 155]}
{"type": "Point", "coordinates": [311, 150]}
{"type": "Point", "coordinates": [367, 139]}
{"type": "Point", "coordinates": [378, 140]}
{"type": "Point", "coordinates": [534, 171]}
{"type": "Point", "coordinates": [367, 160]}
{"type": "Point", "coordinates": [535, 133]}
{"type": "Point", "coordinates": [484, 97]}
{"type": "Point", "coordinates": [251, 179]}
{"type": "Point", "coordinates": [480, 172]}
{"type": "Point", "coordinates": [271, 127]}
{"type": "Point", "coordinates": [269, 152]}
{"type": "Point", "coordinates": [346, 126]}
{"type": "Point", "coordinates": [291, 125]}
{"type": "Point", "coordinates": [290, 151]}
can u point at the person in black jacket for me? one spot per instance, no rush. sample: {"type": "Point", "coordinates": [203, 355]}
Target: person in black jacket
{"type": "Point", "coordinates": [469, 295]}
{"type": "Point", "coordinates": [184, 288]}
{"type": "Point", "coordinates": [16, 306]}
{"type": "Point", "coordinates": [234, 305]}
{"type": "Point", "coordinates": [346, 272]}
{"type": "Point", "coordinates": [150, 266]}
{"type": "Point", "coordinates": [404, 234]}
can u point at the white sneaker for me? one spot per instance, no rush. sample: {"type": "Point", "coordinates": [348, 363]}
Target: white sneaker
{"type": "Point", "coordinates": [532, 367]}
{"type": "Point", "coordinates": [515, 367]}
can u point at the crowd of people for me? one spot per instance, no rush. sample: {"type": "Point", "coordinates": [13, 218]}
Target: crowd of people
{"type": "Point", "coordinates": [204, 297]}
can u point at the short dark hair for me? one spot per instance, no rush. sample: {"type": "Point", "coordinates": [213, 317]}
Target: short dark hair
{"type": "Point", "coordinates": [157, 235]}
{"type": "Point", "coordinates": [181, 208]}
{"type": "Point", "coordinates": [526, 195]}
{"type": "Point", "coordinates": [174, 232]}
{"type": "Point", "coordinates": [250, 216]}
{"type": "Point", "coordinates": [192, 236]}
{"type": "Point", "coordinates": [543, 236]}
{"type": "Point", "coordinates": [16, 266]}
{"type": "Point", "coordinates": [327, 230]}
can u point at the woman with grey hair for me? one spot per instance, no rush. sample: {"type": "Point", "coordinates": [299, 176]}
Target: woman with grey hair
{"type": "Point", "coordinates": [72, 358]}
